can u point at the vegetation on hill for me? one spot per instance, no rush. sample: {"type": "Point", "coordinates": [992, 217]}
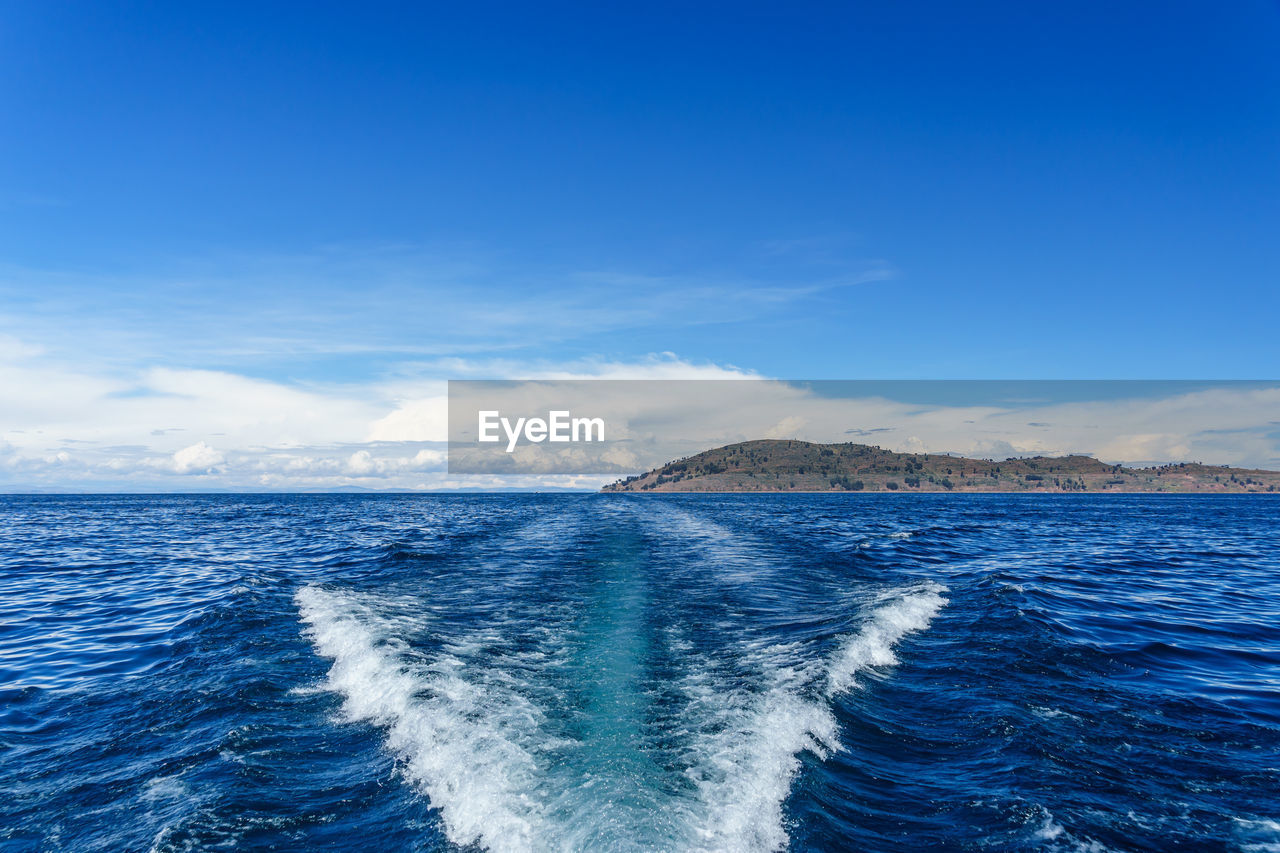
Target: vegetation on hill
{"type": "Point", "coordinates": [801, 466]}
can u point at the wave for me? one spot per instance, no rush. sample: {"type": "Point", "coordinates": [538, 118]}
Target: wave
{"type": "Point", "coordinates": [470, 747]}
{"type": "Point", "coordinates": [492, 764]}
{"type": "Point", "coordinates": [746, 748]}
{"type": "Point", "coordinates": [1257, 836]}
{"type": "Point", "coordinates": [749, 747]}
{"type": "Point", "coordinates": [873, 645]}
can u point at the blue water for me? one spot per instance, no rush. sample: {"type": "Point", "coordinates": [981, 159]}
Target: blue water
{"type": "Point", "coordinates": [619, 672]}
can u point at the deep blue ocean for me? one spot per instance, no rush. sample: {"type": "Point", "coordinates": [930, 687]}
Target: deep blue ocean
{"type": "Point", "coordinates": [627, 672]}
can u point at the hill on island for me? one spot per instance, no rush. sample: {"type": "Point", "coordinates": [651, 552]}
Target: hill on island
{"type": "Point", "coordinates": [802, 466]}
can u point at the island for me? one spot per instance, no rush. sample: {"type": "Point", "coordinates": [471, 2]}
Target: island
{"type": "Point", "coordinates": [770, 465]}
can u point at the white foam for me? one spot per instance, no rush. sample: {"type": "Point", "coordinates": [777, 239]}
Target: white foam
{"type": "Point", "coordinates": [470, 747]}
{"type": "Point", "coordinates": [730, 559]}
{"type": "Point", "coordinates": [873, 645]}
{"type": "Point", "coordinates": [473, 741]}
{"type": "Point", "coordinates": [748, 747]}
{"type": "Point", "coordinates": [1258, 836]}
{"type": "Point", "coordinates": [1049, 828]}
{"type": "Point", "coordinates": [745, 755]}
{"type": "Point", "coordinates": [1047, 713]}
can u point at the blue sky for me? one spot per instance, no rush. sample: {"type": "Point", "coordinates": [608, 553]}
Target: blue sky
{"type": "Point", "coordinates": [326, 199]}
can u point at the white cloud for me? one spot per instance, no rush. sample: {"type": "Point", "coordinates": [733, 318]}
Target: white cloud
{"type": "Point", "coordinates": [199, 458]}
{"type": "Point", "coordinates": [64, 425]}
{"type": "Point", "coordinates": [422, 408]}
{"type": "Point", "coordinates": [360, 463]}
{"type": "Point", "coordinates": [788, 427]}
{"type": "Point", "coordinates": [12, 349]}
{"type": "Point", "coordinates": [43, 404]}
{"type": "Point", "coordinates": [424, 419]}
{"type": "Point", "coordinates": [69, 426]}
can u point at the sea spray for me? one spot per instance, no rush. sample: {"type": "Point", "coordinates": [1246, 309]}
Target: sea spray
{"type": "Point", "coordinates": [873, 645]}
{"type": "Point", "coordinates": [465, 745]}
{"type": "Point", "coordinates": [748, 748]}
{"type": "Point", "coordinates": [476, 747]}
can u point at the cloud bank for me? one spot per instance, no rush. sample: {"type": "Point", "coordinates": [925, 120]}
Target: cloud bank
{"type": "Point", "coordinates": [165, 429]}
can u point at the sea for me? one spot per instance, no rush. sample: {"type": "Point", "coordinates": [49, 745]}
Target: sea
{"type": "Point", "coordinates": [616, 672]}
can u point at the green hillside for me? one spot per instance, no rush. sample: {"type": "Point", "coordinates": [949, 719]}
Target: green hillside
{"type": "Point", "coordinates": [801, 466]}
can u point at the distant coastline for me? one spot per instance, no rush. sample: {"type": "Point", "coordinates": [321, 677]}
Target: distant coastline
{"type": "Point", "coordinates": [772, 465]}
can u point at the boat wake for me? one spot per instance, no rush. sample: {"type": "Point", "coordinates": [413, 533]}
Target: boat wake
{"type": "Point", "coordinates": [483, 744]}
{"type": "Point", "coordinates": [471, 744]}
{"type": "Point", "coordinates": [748, 740]}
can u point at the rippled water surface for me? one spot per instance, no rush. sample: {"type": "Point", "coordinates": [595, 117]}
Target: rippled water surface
{"type": "Point", "coordinates": [621, 672]}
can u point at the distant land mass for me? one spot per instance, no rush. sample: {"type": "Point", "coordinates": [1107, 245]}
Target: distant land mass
{"type": "Point", "coordinates": [802, 466]}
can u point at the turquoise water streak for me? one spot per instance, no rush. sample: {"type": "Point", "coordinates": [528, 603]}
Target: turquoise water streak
{"type": "Point", "coordinates": [615, 672]}
{"type": "Point", "coordinates": [614, 754]}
